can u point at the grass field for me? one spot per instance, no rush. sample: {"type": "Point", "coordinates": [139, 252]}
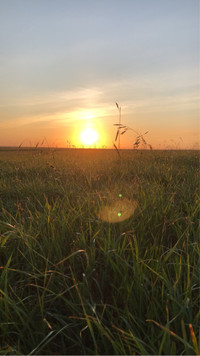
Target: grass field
{"type": "Point", "coordinates": [72, 282]}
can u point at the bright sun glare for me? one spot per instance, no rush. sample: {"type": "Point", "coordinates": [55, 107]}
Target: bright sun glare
{"type": "Point", "coordinates": [89, 137]}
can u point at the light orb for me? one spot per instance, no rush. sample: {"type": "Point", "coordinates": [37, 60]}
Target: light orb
{"type": "Point", "coordinates": [89, 137]}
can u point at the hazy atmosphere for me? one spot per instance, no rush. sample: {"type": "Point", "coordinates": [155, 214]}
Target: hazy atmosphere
{"type": "Point", "coordinates": [64, 64]}
{"type": "Point", "coordinates": [99, 177]}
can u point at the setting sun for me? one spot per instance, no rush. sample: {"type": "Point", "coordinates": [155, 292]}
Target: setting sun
{"type": "Point", "coordinates": [89, 137]}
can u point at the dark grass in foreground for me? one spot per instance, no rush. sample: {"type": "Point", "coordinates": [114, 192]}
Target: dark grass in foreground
{"type": "Point", "coordinates": [73, 284]}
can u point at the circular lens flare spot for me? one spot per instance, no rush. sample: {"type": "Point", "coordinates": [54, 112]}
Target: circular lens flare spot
{"type": "Point", "coordinates": [117, 210]}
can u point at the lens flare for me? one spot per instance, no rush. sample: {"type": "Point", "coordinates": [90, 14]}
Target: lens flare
{"type": "Point", "coordinates": [117, 210]}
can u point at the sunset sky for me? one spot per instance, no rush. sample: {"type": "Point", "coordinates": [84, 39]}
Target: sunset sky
{"type": "Point", "coordinates": [64, 64]}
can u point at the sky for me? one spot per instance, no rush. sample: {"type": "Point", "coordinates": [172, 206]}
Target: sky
{"type": "Point", "coordinates": [65, 63]}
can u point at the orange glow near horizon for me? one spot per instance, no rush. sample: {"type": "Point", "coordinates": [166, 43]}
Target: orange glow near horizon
{"type": "Point", "coordinates": [89, 137]}
{"type": "Point", "coordinates": [89, 131]}
{"type": "Point", "coordinates": [67, 130]}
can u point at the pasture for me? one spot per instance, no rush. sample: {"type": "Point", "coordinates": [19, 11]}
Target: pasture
{"type": "Point", "coordinates": [99, 254]}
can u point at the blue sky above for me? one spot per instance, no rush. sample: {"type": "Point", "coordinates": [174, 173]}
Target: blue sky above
{"type": "Point", "coordinates": [62, 58]}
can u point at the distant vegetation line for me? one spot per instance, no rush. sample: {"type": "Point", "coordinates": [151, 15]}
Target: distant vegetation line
{"type": "Point", "coordinates": [14, 148]}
